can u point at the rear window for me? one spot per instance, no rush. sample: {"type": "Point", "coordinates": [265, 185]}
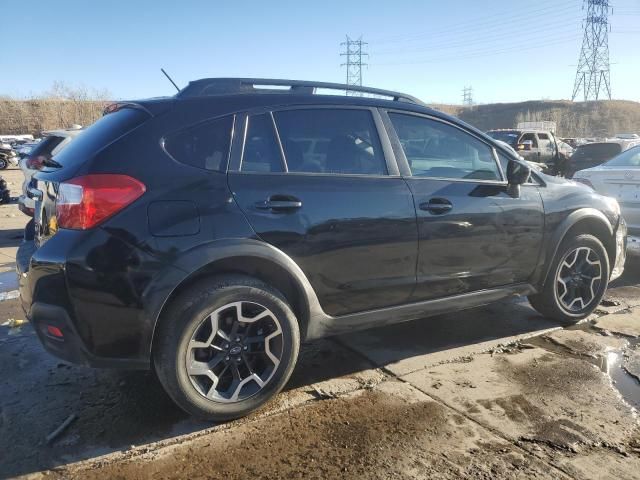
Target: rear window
{"type": "Point", "coordinates": [205, 145]}
{"type": "Point", "coordinates": [596, 151]}
{"type": "Point", "coordinates": [46, 146]}
{"type": "Point", "coordinates": [99, 135]}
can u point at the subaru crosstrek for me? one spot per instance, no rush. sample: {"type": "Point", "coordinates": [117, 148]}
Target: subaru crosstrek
{"type": "Point", "coordinates": [208, 234]}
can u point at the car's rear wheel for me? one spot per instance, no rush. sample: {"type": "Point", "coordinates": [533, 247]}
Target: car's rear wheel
{"type": "Point", "coordinates": [576, 282]}
{"type": "Point", "coordinates": [226, 347]}
{"type": "Point", "coordinates": [3, 163]}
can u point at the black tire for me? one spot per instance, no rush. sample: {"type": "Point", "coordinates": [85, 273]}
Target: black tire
{"type": "Point", "coordinates": [4, 163]}
{"type": "Point", "coordinates": [549, 303]}
{"type": "Point", "coordinates": [185, 316]}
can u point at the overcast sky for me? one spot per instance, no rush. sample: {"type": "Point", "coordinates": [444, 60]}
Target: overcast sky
{"type": "Point", "coordinates": [507, 51]}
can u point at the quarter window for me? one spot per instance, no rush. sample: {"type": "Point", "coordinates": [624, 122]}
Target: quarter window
{"type": "Point", "coordinates": [205, 145]}
{"type": "Point", "coordinates": [438, 150]}
{"type": "Point", "coordinates": [330, 141]}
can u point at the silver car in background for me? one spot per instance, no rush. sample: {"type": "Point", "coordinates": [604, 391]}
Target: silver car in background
{"type": "Point", "coordinates": [619, 178]}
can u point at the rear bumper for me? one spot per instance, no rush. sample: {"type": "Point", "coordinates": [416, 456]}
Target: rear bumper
{"type": "Point", "coordinates": [51, 302]}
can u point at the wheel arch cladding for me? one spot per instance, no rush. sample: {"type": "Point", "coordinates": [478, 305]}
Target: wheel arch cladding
{"type": "Point", "coordinates": [267, 270]}
{"type": "Point", "coordinates": [585, 221]}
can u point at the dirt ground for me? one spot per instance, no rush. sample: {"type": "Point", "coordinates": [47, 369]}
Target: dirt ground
{"type": "Point", "coordinates": [492, 393]}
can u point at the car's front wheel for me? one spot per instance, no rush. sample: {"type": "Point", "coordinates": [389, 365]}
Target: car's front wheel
{"type": "Point", "coordinates": [226, 347]}
{"type": "Point", "coordinates": [576, 282]}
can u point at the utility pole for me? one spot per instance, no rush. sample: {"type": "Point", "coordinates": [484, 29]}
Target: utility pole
{"type": "Point", "coordinates": [593, 75]}
{"type": "Point", "coordinates": [353, 52]}
{"type": "Point", "coordinates": [467, 96]}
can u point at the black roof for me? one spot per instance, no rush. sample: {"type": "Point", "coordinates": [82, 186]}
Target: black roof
{"type": "Point", "coordinates": [232, 86]}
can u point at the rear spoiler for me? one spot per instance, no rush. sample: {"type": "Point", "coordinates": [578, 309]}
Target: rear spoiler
{"type": "Point", "coordinates": [151, 106]}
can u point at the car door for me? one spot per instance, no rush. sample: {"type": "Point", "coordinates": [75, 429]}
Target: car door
{"type": "Point", "coordinates": [474, 234]}
{"type": "Point", "coordinates": [322, 186]}
{"type": "Point", "coordinates": [546, 148]}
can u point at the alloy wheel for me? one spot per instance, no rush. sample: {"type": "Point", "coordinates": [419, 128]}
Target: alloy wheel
{"type": "Point", "coordinates": [234, 352]}
{"type": "Point", "coordinates": [578, 279]}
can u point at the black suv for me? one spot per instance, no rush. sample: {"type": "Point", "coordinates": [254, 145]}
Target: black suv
{"type": "Point", "coordinates": [207, 235]}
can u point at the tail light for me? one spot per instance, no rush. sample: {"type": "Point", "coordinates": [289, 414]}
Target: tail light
{"type": "Point", "coordinates": [84, 202]}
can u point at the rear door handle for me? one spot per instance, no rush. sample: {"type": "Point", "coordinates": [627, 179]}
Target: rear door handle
{"type": "Point", "coordinates": [437, 206]}
{"type": "Point", "coordinates": [279, 203]}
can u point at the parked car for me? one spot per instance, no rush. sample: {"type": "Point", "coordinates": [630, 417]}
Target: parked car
{"type": "Point", "coordinates": [619, 178]}
{"type": "Point", "coordinates": [197, 236]}
{"type": "Point", "coordinates": [7, 156]}
{"type": "Point", "coordinates": [539, 146]}
{"type": "Point", "coordinates": [40, 153]}
{"type": "Point", "coordinates": [597, 153]}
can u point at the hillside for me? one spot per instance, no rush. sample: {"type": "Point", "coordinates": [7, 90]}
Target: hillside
{"type": "Point", "coordinates": [582, 119]}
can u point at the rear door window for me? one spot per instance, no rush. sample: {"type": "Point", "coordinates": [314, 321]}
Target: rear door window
{"type": "Point", "coordinates": [337, 141]}
{"type": "Point", "coordinates": [205, 145]}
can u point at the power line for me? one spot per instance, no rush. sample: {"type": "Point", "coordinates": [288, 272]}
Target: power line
{"type": "Point", "coordinates": [533, 36]}
{"type": "Point", "coordinates": [484, 52]}
{"type": "Point", "coordinates": [353, 52]}
{"type": "Point", "coordinates": [493, 21]}
{"type": "Point", "coordinates": [594, 71]}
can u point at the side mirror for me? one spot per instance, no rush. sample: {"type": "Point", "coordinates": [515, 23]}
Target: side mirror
{"type": "Point", "coordinates": [527, 145]}
{"type": "Point", "coordinates": [517, 173]}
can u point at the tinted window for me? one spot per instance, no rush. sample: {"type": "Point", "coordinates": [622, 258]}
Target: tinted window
{"type": "Point", "coordinates": [543, 136]}
{"type": "Point", "coordinates": [436, 149]}
{"type": "Point", "coordinates": [99, 135]}
{"type": "Point", "coordinates": [205, 145]}
{"type": "Point", "coordinates": [46, 146]}
{"type": "Point", "coordinates": [261, 150]}
{"type": "Point", "coordinates": [331, 141]}
{"type": "Point", "coordinates": [596, 151]}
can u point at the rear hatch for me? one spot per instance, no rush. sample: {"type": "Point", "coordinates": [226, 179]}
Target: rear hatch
{"type": "Point", "coordinates": [60, 175]}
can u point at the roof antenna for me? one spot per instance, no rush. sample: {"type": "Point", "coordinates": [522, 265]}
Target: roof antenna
{"type": "Point", "coordinates": [167, 75]}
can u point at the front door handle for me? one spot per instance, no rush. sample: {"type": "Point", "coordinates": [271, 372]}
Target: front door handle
{"type": "Point", "coordinates": [437, 206]}
{"type": "Point", "coordinates": [279, 203]}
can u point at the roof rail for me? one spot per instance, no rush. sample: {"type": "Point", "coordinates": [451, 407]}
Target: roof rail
{"type": "Point", "coordinates": [226, 86]}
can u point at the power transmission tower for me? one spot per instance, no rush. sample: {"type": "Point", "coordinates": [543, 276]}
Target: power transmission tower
{"type": "Point", "coordinates": [467, 96]}
{"type": "Point", "coordinates": [593, 75]}
{"type": "Point", "coordinates": [353, 52]}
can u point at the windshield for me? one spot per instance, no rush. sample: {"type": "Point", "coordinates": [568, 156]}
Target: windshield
{"type": "Point", "coordinates": [630, 158]}
{"type": "Point", "coordinates": [508, 137]}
